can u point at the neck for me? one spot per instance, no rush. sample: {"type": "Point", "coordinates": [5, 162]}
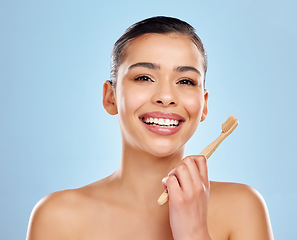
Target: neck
{"type": "Point", "coordinates": [140, 174]}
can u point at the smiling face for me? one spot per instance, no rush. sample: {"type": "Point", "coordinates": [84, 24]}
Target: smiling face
{"type": "Point", "coordinates": [159, 95]}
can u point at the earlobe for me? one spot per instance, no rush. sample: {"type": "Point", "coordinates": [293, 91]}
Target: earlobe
{"type": "Point", "coordinates": [109, 102]}
{"type": "Point", "coordinates": [205, 110]}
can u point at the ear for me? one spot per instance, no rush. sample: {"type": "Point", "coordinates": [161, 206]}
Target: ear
{"type": "Point", "coordinates": [205, 110]}
{"type": "Point", "coordinates": [109, 102]}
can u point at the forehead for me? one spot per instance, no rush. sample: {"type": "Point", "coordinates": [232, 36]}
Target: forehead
{"type": "Point", "coordinates": [165, 49]}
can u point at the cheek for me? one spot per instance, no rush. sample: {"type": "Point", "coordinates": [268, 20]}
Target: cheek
{"type": "Point", "coordinates": [194, 105]}
{"type": "Point", "coordinates": [131, 99]}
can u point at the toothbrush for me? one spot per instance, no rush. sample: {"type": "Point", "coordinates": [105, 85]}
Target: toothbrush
{"type": "Point", "coordinates": [227, 128]}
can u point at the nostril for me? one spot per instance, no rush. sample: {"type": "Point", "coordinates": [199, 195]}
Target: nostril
{"type": "Point", "coordinates": [165, 103]}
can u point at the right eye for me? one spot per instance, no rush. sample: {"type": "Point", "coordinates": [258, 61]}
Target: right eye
{"type": "Point", "coordinates": [143, 78]}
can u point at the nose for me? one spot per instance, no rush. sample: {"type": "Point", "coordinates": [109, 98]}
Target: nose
{"type": "Point", "coordinates": [165, 95]}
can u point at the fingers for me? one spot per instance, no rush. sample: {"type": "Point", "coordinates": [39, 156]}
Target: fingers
{"type": "Point", "coordinates": [201, 162]}
{"type": "Point", "coordinates": [191, 173]}
{"type": "Point", "coordinates": [183, 175]}
{"type": "Point", "coordinates": [193, 169]}
{"type": "Point", "coordinates": [173, 186]}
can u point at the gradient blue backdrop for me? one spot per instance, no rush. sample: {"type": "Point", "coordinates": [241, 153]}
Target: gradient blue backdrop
{"type": "Point", "coordinates": [55, 134]}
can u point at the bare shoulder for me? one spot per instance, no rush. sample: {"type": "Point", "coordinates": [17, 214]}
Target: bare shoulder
{"type": "Point", "coordinates": [244, 208]}
{"type": "Point", "coordinates": [49, 215]}
{"type": "Point", "coordinates": [236, 198]}
{"type": "Point", "coordinates": [60, 215]}
{"type": "Point", "coordinates": [224, 189]}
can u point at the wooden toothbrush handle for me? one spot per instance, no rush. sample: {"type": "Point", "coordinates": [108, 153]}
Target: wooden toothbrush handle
{"type": "Point", "coordinates": [207, 152]}
{"type": "Point", "coordinates": [163, 198]}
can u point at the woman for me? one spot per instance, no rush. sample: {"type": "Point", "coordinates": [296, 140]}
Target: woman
{"type": "Point", "coordinates": [157, 91]}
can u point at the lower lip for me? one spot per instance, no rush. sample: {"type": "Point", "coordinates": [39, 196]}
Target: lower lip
{"type": "Point", "coordinates": [163, 130]}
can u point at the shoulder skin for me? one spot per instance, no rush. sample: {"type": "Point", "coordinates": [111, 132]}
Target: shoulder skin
{"type": "Point", "coordinates": [55, 217]}
{"type": "Point", "coordinates": [242, 209]}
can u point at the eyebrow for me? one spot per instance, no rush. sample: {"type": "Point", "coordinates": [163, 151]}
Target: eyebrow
{"type": "Point", "coordinates": [156, 66]}
{"type": "Point", "coordinates": [145, 64]}
{"type": "Point", "coordinates": [187, 68]}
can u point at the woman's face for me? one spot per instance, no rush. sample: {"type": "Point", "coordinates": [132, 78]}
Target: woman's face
{"type": "Point", "coordinates": [159, 94]}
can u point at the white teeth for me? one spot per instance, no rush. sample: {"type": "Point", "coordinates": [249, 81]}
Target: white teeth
{"type": "Point", "coordinates": [161, 122]}
{"type": "Point", "coordinates": [167, 122]}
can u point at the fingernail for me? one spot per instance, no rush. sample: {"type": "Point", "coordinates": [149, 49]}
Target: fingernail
{"type": "Point", "coordinates": [164, 179]}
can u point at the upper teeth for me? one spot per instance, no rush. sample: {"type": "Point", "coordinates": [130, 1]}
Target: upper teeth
{"type": "Point", "coordinates": [161, 121]}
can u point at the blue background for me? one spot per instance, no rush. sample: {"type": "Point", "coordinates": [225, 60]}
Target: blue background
{"type": "Point", "coordinates": [55, 134]}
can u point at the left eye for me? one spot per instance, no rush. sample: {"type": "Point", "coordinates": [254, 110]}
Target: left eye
{"type": "Point", "coordinates": [186, 82]}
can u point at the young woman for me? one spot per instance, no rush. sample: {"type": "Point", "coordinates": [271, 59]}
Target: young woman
{"type": "Point", "coordinates": [157, 91]}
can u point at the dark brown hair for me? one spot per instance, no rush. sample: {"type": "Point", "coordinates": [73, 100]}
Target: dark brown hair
{"type": "Point", "coordinates": [162, 25]}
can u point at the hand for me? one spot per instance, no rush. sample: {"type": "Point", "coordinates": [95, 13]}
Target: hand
{"type": "Point", "coordinates": [188, 189]}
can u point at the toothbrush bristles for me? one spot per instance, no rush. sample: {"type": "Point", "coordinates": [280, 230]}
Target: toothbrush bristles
{"type": "Point", "coordinates": [231, 122]}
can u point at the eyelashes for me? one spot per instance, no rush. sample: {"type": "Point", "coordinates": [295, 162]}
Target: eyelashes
{"type": "Point", "coordinates": [187, 82]}
{"type": "Point", "coordinates": [143, 78]}
{"type": "Point", "coordinates": [184, 81]}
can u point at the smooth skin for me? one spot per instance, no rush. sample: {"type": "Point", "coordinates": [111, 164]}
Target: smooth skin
{"type": "Point", "coordinates": [124, 204]}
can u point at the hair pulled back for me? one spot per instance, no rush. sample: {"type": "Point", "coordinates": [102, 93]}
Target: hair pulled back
{"type": "Point", "coordinates": [162, 25]}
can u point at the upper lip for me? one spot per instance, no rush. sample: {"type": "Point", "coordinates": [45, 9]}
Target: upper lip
{"type": "Point", "coordinates": [166, 115]}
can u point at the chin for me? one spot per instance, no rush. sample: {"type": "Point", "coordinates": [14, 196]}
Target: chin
{"type": "Point", "coordinates": [162, 151]}
{"type": "Point", "coordinates": [163, 154]}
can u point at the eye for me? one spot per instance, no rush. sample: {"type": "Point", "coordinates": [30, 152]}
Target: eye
{"type": "Point", "coordinates": [187, 82]}
{"type": "Point", "coordinates": [143, 78]}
